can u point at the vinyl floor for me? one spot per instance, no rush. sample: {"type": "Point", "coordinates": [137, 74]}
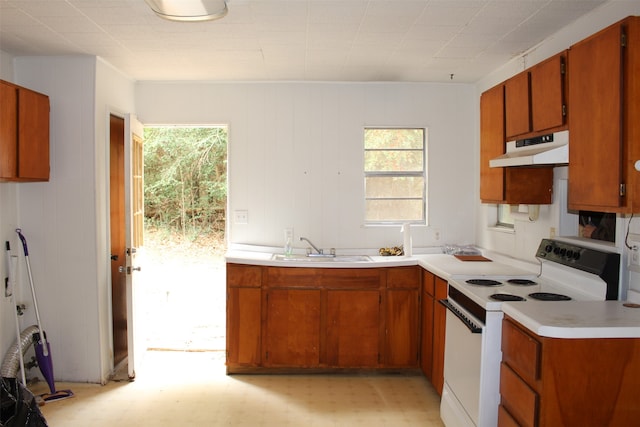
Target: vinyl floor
{"type": "Point", "coordinates": [177, 388]}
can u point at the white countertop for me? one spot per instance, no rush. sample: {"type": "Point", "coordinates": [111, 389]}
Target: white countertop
{"type": "Point", "coordinates": [557, 319]}
{"type": "Point", "coordinates": [577, 319]}
{"type": "Point", "coordinates": [443, 265]}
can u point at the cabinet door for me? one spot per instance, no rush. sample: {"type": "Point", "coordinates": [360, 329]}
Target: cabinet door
{"type": "Point", "coordinates": [426, 340]}
{"type": "Point", "coordinates": [292, 332]}
{"type": "Point", "coordinates": [8, 131]}
{"type": "Point", "coordinates": [491, 144]}
{"type": "Point", "coordinates": [595, 100]}
{"type": "Point", "coordinates": [33, 135]}
{"type": "Point", "coordinates": [547, 93]}
{"type": "Point", "coordinates": [243, 326]}
{"type": "Point", "coordinates": [402, 322]}
{"type": "Point", "coordinates": [517, 105]}
{"type": "Point", "coordinates": [353, 328]}
{"type": "Point", "coordinates": [439, 323]}
{"type": "Point", "coordinates": [528, 185]}
{"type": "Point", "coordinates": [426, 360]}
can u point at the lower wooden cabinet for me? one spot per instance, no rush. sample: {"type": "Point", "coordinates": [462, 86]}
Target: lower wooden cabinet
{"type": "Point", "coordinates": [291, 334]}
{"type": "Point", "coordinates": [243, 326]}
{"type": "Point", "coordinates": [426, 339]}
{"type": "Point", "coordinates": [402, 321]}
{"type": "Point", "coordinates": [353, 328]}
{"type": "Point", "coordinates": [283, 318]}
{"type": "Point", "coordinates": [434, 316]}
{"type": "Point", "coordinates": [244, 315]}
{"type": "Point", "coordinates": [439, 323]}
{"type": "Point", "coordinates": [553, 382]}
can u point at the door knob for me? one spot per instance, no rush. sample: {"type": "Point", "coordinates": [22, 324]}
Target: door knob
{"type": "Point", "coordinates": [128, 270]}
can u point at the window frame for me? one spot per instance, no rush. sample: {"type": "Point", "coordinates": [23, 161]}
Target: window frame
{"type": "Point", "coordinates": [385, 174]}
{"type": "Point", "coordinates": [503, 217]}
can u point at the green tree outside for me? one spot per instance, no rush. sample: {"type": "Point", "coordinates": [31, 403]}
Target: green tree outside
{"type": "Point", "coordinates": [185, 180]}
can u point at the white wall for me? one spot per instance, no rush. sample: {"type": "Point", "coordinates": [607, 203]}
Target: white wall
{"type": "Point", "coordinates": [65, 220]}
{"type": "Point", "coordinates": [114, 95]}
{"type": "Point", "coordinates": [8, 223]}
{"type": "Point", "coordinates": [296, 154]}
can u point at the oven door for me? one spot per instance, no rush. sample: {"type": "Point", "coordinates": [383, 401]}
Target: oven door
{"type": "Point", "coordinates": [462, 367]}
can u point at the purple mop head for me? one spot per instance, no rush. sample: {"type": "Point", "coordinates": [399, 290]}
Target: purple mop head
{"type": "Point", "coordinates": [45, 363]}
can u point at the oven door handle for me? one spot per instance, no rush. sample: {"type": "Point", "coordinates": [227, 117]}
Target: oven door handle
{"type": "Point", "coordinates": [473, 327]}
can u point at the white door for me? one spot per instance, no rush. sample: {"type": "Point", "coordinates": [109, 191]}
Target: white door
{"type": "Point", "coordinates": [134, 214]}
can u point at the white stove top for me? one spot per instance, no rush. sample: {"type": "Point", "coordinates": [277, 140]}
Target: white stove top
{"type": "Point", "coordinates": [560, 274]}
{"type": "Point", "coordinates": [481, 295]}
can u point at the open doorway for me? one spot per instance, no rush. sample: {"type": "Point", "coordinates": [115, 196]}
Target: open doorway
{"type": "Point", "coordinates": [182, 303]}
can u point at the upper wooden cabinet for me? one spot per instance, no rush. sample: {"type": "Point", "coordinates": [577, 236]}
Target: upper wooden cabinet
{"type": "Point", "coordinates": [535, 99]}
{"type": "Point", "coordinates": [514, 185]}
{"type": "Point", "coordinates": [517, 105]}
{"type": "Point", "coordinates": [24, 134]}
{"type": "Point", "coordinates": [605, 120]}
{"type": "Point", "coordinates": [548, 94]}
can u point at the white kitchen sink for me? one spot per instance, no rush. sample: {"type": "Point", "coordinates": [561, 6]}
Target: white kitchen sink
{"type": "Point", "coordinates": [321, 258]}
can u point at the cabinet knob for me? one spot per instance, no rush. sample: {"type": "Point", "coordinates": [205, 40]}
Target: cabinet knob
{"type": "Point", "coordinates": [637, 165]}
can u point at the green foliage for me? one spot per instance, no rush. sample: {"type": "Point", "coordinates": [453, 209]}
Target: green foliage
{"type": "Point", "coordinates": [185, 174]}
{"type": "Point", "coordinates": [393, 150]}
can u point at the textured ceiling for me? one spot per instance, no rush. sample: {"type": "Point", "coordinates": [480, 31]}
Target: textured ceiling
{"type": "Point", "coordinates": [294, 40]}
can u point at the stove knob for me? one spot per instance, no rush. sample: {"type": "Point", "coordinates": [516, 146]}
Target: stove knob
{"type": "Point", "coordinates": [569, 253]}
{"type": "Point", "coordinates": [576, 255]}
{"type": "Point", "coordinates": [548, 248]}
{"type": "Point", "coordinates": [563, 251]}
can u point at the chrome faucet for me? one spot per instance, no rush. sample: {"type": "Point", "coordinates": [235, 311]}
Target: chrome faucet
{"type": "Point", "coordinates": [319, 251]}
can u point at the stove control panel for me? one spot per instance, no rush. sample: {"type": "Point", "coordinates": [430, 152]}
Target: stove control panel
{"type": "Point", "coordinates": [594, 261]}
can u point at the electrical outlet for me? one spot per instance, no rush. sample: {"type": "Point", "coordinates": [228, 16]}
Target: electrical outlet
{"type": "Point", "coordinates": [241, 217]}
{"type": "Point", "coordinates": [552, 232]}
{"type": "Point", "coordinates": [436, 234]}
{"type": "Point", "coordinates": [634, 253]}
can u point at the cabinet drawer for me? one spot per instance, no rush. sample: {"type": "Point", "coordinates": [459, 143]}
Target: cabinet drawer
{"type": "Point", "coordinates": [518, 398]}
{"type": "Point", "coordinates": [356, 278]}
{"type": "Point", "coordinates": [403, 277]}
{"type": "Point", "coordinates": [292, 277]}
{"type": "Point", "coordinates": [521, 352]}
{"type": "Point", "coordinates": [248, 276]}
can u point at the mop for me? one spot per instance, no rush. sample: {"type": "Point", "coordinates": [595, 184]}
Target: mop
{"type": "Point", "coordinates": [41, 345]}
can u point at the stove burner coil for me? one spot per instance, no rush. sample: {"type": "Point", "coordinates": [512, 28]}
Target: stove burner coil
{"type": "Point", "coordinates": [548, 296]}
{"type": "Point", "coordinates": [506, 297]}
{"type": "Point", "coordinates": [484, 282]}
{"type": "Point", "coordinates": [521, 282]}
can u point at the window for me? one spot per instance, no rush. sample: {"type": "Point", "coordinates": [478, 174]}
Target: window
{"type": "Point", "coordinates": [504, 216]}
{"type": "Point", "coordinates": [395, 175]}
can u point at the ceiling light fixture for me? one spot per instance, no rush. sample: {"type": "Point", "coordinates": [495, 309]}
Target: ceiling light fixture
{"type": "Point", "coordinates": [189, 10]}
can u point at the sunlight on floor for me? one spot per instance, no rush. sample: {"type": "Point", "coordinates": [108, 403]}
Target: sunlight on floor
{"type": "Point", "coordinates": [192, 389]}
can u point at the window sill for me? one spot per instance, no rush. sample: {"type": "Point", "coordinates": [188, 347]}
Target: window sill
{"type": "Point", "coordinates": [498, 229]}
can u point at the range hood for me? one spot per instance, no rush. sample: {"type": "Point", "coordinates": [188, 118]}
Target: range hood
{"type": "Point", "coordinates": [552, 149]}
